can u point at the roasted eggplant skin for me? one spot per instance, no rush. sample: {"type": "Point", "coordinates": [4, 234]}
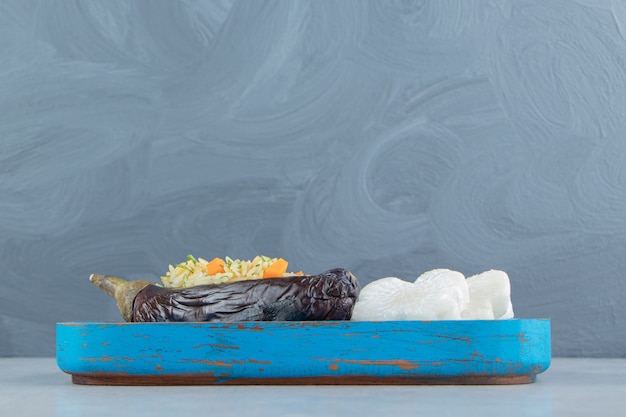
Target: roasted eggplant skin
{"type": "Point", "coordinates": [330, 295]}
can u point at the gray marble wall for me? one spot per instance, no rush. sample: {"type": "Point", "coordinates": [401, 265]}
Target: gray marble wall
{"type": "Point", "coordinates": [387, 137]}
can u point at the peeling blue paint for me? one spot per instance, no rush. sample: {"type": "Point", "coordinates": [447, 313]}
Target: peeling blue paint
{"type": "Point", "coordinates": [295, 350]}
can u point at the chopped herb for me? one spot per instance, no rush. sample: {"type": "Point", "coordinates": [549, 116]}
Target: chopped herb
{"type": "Point", "coordinates": [192, 259]}
{"type": "Point", "coordinates": [183, 265]}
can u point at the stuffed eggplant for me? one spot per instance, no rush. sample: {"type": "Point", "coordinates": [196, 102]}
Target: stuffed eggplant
{"type": "Point", "coordinates": [330, 295]}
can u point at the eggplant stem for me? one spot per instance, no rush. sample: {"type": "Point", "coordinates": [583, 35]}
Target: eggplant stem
{"type": "Point", "coordinates": [122, 290]}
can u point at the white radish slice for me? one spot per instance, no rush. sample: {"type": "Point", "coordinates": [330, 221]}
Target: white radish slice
{"type": "Point", "coordinates": [490, 297]}
{"type": "Point", "coordinates": [440, 294]}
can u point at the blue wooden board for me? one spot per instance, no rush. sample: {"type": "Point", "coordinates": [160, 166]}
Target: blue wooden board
{"type": "Point", "coordinates": [327, 352]}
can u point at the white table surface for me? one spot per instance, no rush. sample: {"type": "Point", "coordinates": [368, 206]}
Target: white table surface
{"type": "Point", "coordinates": [570, 387]}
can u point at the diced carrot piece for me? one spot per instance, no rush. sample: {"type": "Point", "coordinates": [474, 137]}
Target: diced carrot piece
{"type": "Point", "coordinates": [276, 270]}
{"type": "Point", "coordinates": [215, 266]}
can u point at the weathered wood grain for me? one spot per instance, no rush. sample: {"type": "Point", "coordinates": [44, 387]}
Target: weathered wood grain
{"type": "Point", "coordinates": [314, 353]}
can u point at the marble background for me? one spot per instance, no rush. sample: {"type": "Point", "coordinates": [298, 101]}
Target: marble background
{"type": "Point", "coordinates": [387, 137]}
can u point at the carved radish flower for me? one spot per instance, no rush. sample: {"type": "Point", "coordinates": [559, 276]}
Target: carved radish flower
{"type": "Point", "coordinates": [440, 294]}
{"type": "Point", "coordinates": [490, 297]}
